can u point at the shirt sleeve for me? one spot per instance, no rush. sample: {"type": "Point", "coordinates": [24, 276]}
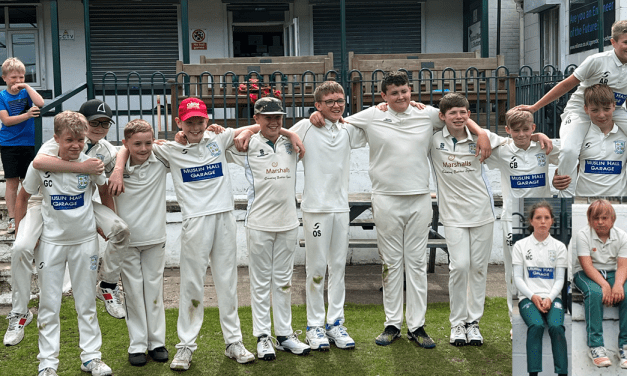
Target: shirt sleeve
{"type": "Point", "coordinates": [50, 147]}
{"type": "Point", "coordinates": [434, 115]}
{"type": "Point", "coordinates": [362, 119]}
{"type": "Point", "coordinates": [495, 160]}
{"type": "Point", "coordinates": [562, 255]}
{"type": "Point", "coordinates": [495, 139]}
{"type": "Point", "coordinates": [517, 256]}
{"type": "Point", "coordinates": [555, 153]}
{"type": "Point", "coordinates": [234, 156]}
{"type": "Point", "coordinates": [585, 69]}
{"type": "Point", "coordinates": [100, 179]}
{"type": "Point", "coordinates": [32, 181]}
{"type": "Point", "coordinates": [583, 242]}
{"type": "Point", "coordinates": [357, 137]}
{"type": "Point", "coordinates": [622, 252]}
{"type": "Point", "coordinates": [161, 152]}
{"type": "Point", "coordinates": [226, 138]}
{"type": "Point", "coordinates": [3, 103]}
{"type": "Point", "coordinates": [558, 283]}
{"type": "Point", "coordinates": [301, 128]}
{"type": "Point", "coordinates": [519, 281]}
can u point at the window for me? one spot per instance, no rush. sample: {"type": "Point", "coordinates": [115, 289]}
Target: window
{"type": "Point", "coordinates": [19, 37]}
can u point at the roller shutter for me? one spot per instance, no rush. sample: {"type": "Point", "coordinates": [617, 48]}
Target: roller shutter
{"type": "Point", "coordinates": [131, 36]}
{"type": "Point", "coordinates": [372, 27]}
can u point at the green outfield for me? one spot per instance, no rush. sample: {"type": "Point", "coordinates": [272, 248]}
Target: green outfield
{"type": "Point", "coordinates": [364, 323]}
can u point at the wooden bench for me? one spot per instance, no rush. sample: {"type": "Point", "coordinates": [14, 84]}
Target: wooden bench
{"type": "Point", "coordinates": [217, 81]}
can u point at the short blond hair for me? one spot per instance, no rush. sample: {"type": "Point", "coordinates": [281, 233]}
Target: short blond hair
{"type": "Point", "coordinates": [516, 118]}
{"type": "Point", "coordinates": [598, 95]}
{"type": "Point", "coordinates": [12, 64]}
{"type": "Point", "coordinates": [72, 121]}
{"type": "Point", "coordinates": [327, 87]}
{"type": "Point", "coordinates": [619, 28]}
{"type": "Point", "coordinates": [137, 126]}
{"type": "Point", "coordinates": [599, 208]}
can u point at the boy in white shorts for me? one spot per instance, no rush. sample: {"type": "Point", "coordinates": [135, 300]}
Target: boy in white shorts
{"type": "Point", "coordinates": [68, 235]}
{"type": "Point", "coordinates": [142, 206]}
{"type": "Point", "coordinates": [271, 228]}
{"type": "Point", "coordinates": [326, 214]}
{"type": "Point", "coordinates": [602, 157]}
{"type": "Point", "coordinates": [524, 167]}
{"type": "Point", "coordinates": [610, 68]}
{"type": "Point", "coordinates": [99, 116]}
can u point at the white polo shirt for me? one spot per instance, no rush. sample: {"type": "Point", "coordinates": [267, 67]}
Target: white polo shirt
{"type": "Point", "coordinates": [464, 193]}
{"type": "Point", "coordinates": [67, 211]}
{"type": "Point", "coordinates": [271, 172]}
{"type": "Point", "coordinates": [327, 164]}
{"type": "Point", "coordinates": [142, 205]}
{"type": "Point", "coordinates": [524, 173]}
{"type": "Point", "coordinates": [604, 255]}
{"type": "Point", "coordinates": [200, 173]}
{"type": "Point", "coordinates": [602, 163]}
{"type": "Point", "coordinates": [540, 260]}
{"type": "Point", "coordinates": [605, 68]}
{"type": "Point", "coordinates": [399, 148]}
{"type": "Point", "coordinates": [102, 150]}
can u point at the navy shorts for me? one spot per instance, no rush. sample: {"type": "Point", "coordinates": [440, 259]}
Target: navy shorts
{"type": "Point", "coordinates": [15, 160]}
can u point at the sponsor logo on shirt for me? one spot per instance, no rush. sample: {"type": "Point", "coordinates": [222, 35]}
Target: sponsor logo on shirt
{"type": "Point", "coordinates": [83, 181]}
{"type": "Point", "coordinates": [387, 120]}
{"type": "Point", "coordinates": [214, 149]}
{"type": "Point", "coordinates": [528, 181]}
{"type": "Point", "coordinates": [457, 164]}
{"type": "Point", "coordinates": [619, 147]}
{"type": "Point", "coordinates": [541, 157]}
{"type": "Point", "coordinates": [529, 256]}
{"type": "Point", "coordinates": [209, 171]}
{"type": "Point", "coordinates": [587, 145]}
{"type": "Point", "coordinates": [101, 157]}
{"type": "Point", "coordinates": [620, 98]}
{"type": "Point", "coordinates": [262, 153]}
{"type": "Point", "coordinates": [441, 147]}
{"type": "Point", "coordinates": [472, 147]}
{"type": "Point", "coordinates": [277, 170]}
{"type": "Point", "coordinates": [552, 255]}
{"type": "Point", "coordinates": [539, 272]}
{"type": "Point", "coordinates": [288, 149]}
{"type": "Point", "coordinates": [64, 202]}
{"type": "Point", "coordinates": [126, 176]}
{"type": "Point", "coordinates": [93, 262]}
{"type": "Point", "coordinates": [603, 167]}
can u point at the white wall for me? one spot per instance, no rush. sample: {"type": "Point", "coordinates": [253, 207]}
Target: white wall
{"type": "Point", "coordinates": [443, 15]}
{"type": "Point", "coordinates": [212, 16]}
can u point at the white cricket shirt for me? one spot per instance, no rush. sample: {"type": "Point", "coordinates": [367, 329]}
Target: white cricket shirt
{"type": "Point", "coordinates": [67, 212]}
{"type": "Point", "coordinates": [327, 164]}
{"type": "Point", "coordinates": [464, 193]}
{"type": "Point", "coordinates": [540, 260]}
{"type": "Point", "coordinates": [602, 163]}
{"type": "Point", "coordinates": [524, 173]}
{"type": "Point", "coordinates": [200, 173]}
{"type": "Point", "coordinates": [271, 172]}
{"type": "Point", "coordinates": [399, 148]}
{"type": "Point", "coordinates": [142, 205]}
{"type": "Point", "coordinates": [102, 150]}
{"type": "Point", "coordinates": [604, 68]}
{"type": "Point", "coordinates": [603, 254]}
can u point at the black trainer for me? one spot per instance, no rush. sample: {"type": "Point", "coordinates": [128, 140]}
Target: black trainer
{"type": "Point", "coordinates": [137, 359]}
{"type": "Point", "coordinates": [389, 335]}
{"type": "Point", "coordinates": [159, 354]}
{"type": "Point", "coordinates": [421, 337]}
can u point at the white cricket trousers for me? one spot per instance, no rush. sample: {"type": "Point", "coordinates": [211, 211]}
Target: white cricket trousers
{"type": "Point", "coordinates": [82, 261]}
{"type": "Point", "coordinates": [326, 243]}
{"type": "Point", "coordinates": [271, 263]}
{"type": "Point", "coordinates": [469, 250]}
{"type": "Point", "coordinates": [573, 130]}
{"type": "Point", "coordinates": [508, 247]}
{"type": "Point", "coordinates": [204, 240]}
{"type": "Point", "coordinates": [28, 234]}
{"type": "Point", "coordinates": [402, 224]}
{"type": "Point", "coordinates": [142, 278]}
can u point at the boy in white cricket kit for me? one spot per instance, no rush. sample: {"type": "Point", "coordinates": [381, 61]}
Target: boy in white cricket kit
{"type": "Point", "coordinates": [99, 116]}
{"type": "Point", "coordinates": [608, 68]}
{"type": "Point", "coordinates": [142, 206]}
{"type": "Point", "coordinates": [68, 235]}
{"type": "Point", "coordinates": [401, 200]}
{"type": "Point", "coordinates": [524, 167]}
{"type": "Point", "coordinates": [326, 214]}
{"type": "Point", "coordinates": [271, 228]}
{"type": "Point", "coordinates": [602, 157]}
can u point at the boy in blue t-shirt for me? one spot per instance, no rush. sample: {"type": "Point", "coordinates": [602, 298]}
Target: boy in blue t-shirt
{"type": "Point", "coordinates": [19, 104]}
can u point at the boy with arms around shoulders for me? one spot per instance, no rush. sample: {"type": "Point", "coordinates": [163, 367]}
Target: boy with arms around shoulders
{"type": "Point", "coordinates": [271, 229]}
{"type": "Point", "coordinates": [326, 214]}
{"type": "Point", "coordinates": [68, 235]}
{"type": "Point", "coordinates": [142, 206]}
{"type": "Point", "coordinates": [19, 105]}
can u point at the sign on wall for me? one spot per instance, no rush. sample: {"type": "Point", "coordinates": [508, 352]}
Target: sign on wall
{"type": "Point", "coordinates": [583, 25]}
{"type": "Point", "coordinates": [198, 37]}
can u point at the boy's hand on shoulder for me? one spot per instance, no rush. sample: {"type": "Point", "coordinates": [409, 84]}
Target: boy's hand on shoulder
{"type": "Point", "coordinates": [545, 142]}
{"type": "Point", "coordinates": [161, 141]}
{"type": "Point", "coordinates": [484, 149]}
{"type": "Point", "coordinates": [116, 182]}
{"type": "Point", "coordinates": [33, 112]}
{"type": "Point", "coordinates": [215, 128]}
{"type": "Point", "coordinates": [180, 138]}
{"type": "Point", "coordinates": [241, 141]}
{"type": "Point", "coordinates": [317, 119]}
{"type": "Point", "coordinates": [93, 166]}
{"type": "Point", "coordinates": [561, 182]}
{"type": "Point", "coordinates": [297, 144]}
{"type": "Point", "coordinates": [101, 233]}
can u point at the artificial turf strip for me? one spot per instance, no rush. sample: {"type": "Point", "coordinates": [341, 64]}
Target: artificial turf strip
{"type": "Point", "coordinates": [364, 323]}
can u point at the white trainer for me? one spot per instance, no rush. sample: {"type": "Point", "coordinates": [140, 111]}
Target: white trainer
{"type": "Point", "coordinates": [317, 338]}
{"type": "Point", "coordinates": [294, 345]}
{"type": "Point", "coordinates": [47, 372]}
{"type": "Point", "coordinates": [113, 301]}
{"type": "Point", "coordinates": [337, 334]}
{"type": "Point", "coordinates": [182, 360]}
{"type": "Point", "coordinates": [599, 357]}
{"type": "Point", "coordinates": [622, 356]}
{"type": "Point", "coordinates": [15, 331]}
{"type": "Point", "coordinates": [458, 335]}
{"type": "Point", "coordinates": [96, 367]}
{"type": "Point", "coordinates": [473, 335]}
{"type": "Point", "coordinates": [237, 351]}
{"type": "Point", "coordinates": [265, 348]}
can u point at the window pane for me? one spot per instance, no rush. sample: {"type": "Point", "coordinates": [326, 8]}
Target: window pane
{"type": "Point", "coordinates": [2, 23]}
{"type": "Point", "coordinates": [3, 51]}
{"type": "Point", "coordinates": [22, 17]}
{"type": "Point", "coordinates": [24, 49]}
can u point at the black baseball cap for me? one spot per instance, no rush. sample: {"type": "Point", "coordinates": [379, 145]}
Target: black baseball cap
{"type": "Point", "coordinates": [95, 109]}
{"type": "Point", "coordinates": [269, 106]}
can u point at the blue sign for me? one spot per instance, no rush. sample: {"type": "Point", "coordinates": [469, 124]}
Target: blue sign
{"type": "Point", "coordinates": [63, 202]}
{"type": "Point", "coordinates": [603, 167]}
{"type": "Point", "coordinates": [528, 181]}
{"type": "Point", "coordinates": [539, 272]}
{"type": "Point", "coordinates": [210, 171]}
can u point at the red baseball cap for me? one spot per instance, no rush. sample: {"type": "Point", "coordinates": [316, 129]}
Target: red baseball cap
{"type": "Point", "coordinates": [191, 107]}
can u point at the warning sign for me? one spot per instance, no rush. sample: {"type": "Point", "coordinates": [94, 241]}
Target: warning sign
{"type": "Point", "coordinates": [199, 46]}
{"type": "Point", "coordinates": [198, 35]}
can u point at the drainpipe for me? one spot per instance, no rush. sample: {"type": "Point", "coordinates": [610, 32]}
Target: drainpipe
{"type": "Point", "coordinates": [485, 30]}
{"type": "Point", "coordinates": [521, 32]}
{"type": "Point", "coordinates": [90, 76]}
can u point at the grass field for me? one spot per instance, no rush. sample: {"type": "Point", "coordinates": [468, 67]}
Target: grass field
{"type": "Point", "coordinates": [364, 323]}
